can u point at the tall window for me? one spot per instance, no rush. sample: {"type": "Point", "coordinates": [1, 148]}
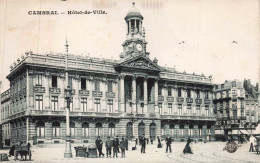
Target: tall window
{"type": "Point", "coordinates": [172, 129]}
{"type": "Point", "coordinates": [200, 130]}
{"type": "Point", "coordinates": [197, 109]}
{"type": "Point", "coordinates": [85, 129]}
{"type": "Point", "coordinates": [54, 82]}
{"type": "Point", "coordinates": [83, 84]}
{"type": "Point", "coordinates": [206, 95]}
{"type": "Point", "coordinates": [170, 108]}
{"type": "Point", "coordinates": [170, 91]}
{"type": "Point", "coordinates": [70, 82]}
{"type": "Point", "coordinates": [163, 130]}
{"type": "Point", "coordinates": [179, 92]}
{"type": "Point", "coordinates": [189, 112]}
{"type": "Point", "coordinates": [72, 129]}
{"type": "Point", "coordinates": [198, 93]}
{"type": "Point", "coordinates": [40, 129]}
{"type": "Point", "coordinates": [84, 104]}
{"type": "Point", "coordinates": [181, 130]}
{"type": "Point", "coordinates": [188, 93]}
{"type": "Point", "coordinates": [179, 109]}
{"type": "Point", "coordinates": [97, 105]}
{"type": "Point", "coordinates": [99, 129]}
{"type": "Point", "coordinates": [160, 108]}
{"type": "Point", "coordinates": [71, 104]}
{"type": "Point", "coordinates": [191, 130]}
{"type": "Point", "coordinates": [55, 129]}
{"type": "Point", "coordinates": [159, 90]}
{"type": "Point", "coordinates": [38, 102]}
{"type": "Point", "coordinates": [97, 85]}
{"type": "Point", "coordinates": [111, 129]}
{"type": "Point", "coordinates": [38, 80]}
{"type": "Point", "coordinates": [54, 103]}
{"type": "Point", "coordinates": [206, 110]}
{"type": "Point", "coordinates": [110, 86]}
{"type": "Point", "coordinates": [234, 84]}
{"type": "Point", "coordinates": [142, 108]}
{"type": "Point", "coordinates": [110, 106]}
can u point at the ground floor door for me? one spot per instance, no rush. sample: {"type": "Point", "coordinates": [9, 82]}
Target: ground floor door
{"type": "Point", "coordinates": [129, 130]}
{"type": "Point", "coordinates": [141, 129]}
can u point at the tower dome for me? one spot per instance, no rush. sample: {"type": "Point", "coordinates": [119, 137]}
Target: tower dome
{"type": "Point", "coordinates": [133, 12]}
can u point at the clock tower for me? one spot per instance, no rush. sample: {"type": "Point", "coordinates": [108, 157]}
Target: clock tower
{"type": "Point", "coordinates": [135, 43]}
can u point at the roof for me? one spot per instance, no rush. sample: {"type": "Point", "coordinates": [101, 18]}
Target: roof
{"type": "Point", "coordinates": [134, 12]}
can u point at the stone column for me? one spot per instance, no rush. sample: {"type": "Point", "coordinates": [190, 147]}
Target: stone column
{"type": "Point", "coordinates": [134, 94]}
{"type": "Point", "coordinates": [122, 93]}
{"type": "Point", "coordinates": [129, 27]}
{"type": "Point", "coordinates": [156, 95]}
{"type": "Point", "coordinates": [145, 95]}
{"type": "Point", "coordinates": [165, 104]}
{"type": "Point", "coordinates": [90, 97]}
{"type": "Point", "coordinates": [76, 99]}
{"type": "Point", "coordinates": [46, 98]}
{"type": "Point", "coordinates": [61, 102]}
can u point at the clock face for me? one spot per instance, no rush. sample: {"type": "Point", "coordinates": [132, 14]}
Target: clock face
{"type": "Point", "coordinates": [139, 47]}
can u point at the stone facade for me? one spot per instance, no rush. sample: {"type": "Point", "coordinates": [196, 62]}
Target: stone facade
{"type": "Point", "coordinates": [127, 97]}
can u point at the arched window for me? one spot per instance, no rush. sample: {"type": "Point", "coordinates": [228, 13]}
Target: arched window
{"type": "Point", "coordinates": [163, 130]}
{"type": "Point", "coordinates": [181, 133]}
{"type": "Point", "coordinates": [111, 129]}
{"type": "Point", "coordinates": [40, 129]}
{"type": "Point", "coordinates": [99, 129]}
{"type": "Point", "coordinates": [200, 130]}
{"type": "Point", "coordinates": [55, 129]}
{"type": "Point", "coordinates": [209, 129]}
{"type": "Point", "coordinates": [191, 130]}
{"type": "Point", "coordinates": [85, 129]}
{"type": "Point", "coordinates": [172, 129]}
{"type": "Point", "coordinates": [72, 129]}
{"type": "Point", "coordinates": [129, 130]}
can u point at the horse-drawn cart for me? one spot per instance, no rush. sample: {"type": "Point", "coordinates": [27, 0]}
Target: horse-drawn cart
{"type": "Point", "coordinates": [23, 151]}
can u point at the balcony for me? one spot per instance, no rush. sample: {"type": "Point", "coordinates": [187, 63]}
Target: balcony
{"type": "Point", "coordinates": [170, 99]}
{"type": "Point", "coordinates": [198, 101]}
{"type": "Point", "coordinates": [180, 100]}
{"type": "Point", "coordinates": [189, 100]}
{"type": "Point", "coordinates": [110, 94]}
{"type": "Point", "coordinates": [188, 117]}
{"type": "Point", "coordinates": [207, 101]}
{"type": "Point", "coordinates": [84, 92]}
{"type": "Point", "coordinates": [38, 89]}
{"type": "Point", "coordinates": [97, 93]}
{"type": "Point", "coordinates": [55, 90]}
{"type": "Point", "coordinates": [160, 98]}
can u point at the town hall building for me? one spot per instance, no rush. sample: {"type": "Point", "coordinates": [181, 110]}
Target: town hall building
{"type": "Point", "coordinates": [127, 97]}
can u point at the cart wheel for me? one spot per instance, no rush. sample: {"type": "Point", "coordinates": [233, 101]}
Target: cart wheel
{"type": "Point", "coordinates": [30, 155]}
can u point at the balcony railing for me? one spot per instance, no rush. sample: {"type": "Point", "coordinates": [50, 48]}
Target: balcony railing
{"type": "Point", "coordinates": [170, 99]}
{"type": "Point", "coordinates": [188, 117]}
{"type": "Point", "coordinates": [110, 94]}
{"type": "Point", "coordinates": [55, 90]}
{"type": "Point", "coordinates": [180, 100]}
{"type": "Point", "coordinates": [207, 101]}
{"type": "Point", "coordinates": [97, 94]}
{"type": "Point", "coordinates": [189, 100]}
{"type": "Point", "coordinates": [84, 92]}
{"type": "Point", "coordinates": [198, 101]}
{"type": "Point", "coordinates": [160, 98]}
{"type": "Point", "coordinates": [39, 89]}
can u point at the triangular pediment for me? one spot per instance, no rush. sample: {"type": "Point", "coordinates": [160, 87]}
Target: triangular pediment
{"type": "Point", "coordinates": [140, 62]}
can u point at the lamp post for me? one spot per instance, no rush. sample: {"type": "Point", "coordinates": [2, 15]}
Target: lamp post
{"type": "Point", "coordinates": [67, 153]}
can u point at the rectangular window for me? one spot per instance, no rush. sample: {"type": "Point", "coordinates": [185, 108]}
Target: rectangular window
{"type": "Point", "coordinates": [179, 109]}
{"type": "Point", "coordinates": [142, 108]}
{"type": "Point", "coordinates": [198, 93]}
{"type": "Point", "coordinates": [172, 131]}
{"type": "Point", "coordinates": [188, 93]}
{"type": "Point", "coordinates": [181, 132]}
{"type": "Point", "coordinates": [38, 80]}
{"type": "Point", "coordinates": [84, 104]}
{"type": "Point", "coordinates": [72, 132]}
{"type": "Point", "coordinates": [54, 102]}
{"type": "Point", "coordinates": [206, 110]}
{"type": "Point", "coordinates": [97, 85]}
{"type": "Point", "coordinates": [110, 86]}
{"type": "Point", "coordinates": [111, 132]}
{"type": "Point", "coordinates": [191, 132]}
{"type": "Point", "coordinates": [200, 132]}
{"type": "Point", "coordinates": [206, 95]}
{"type": "Point", "coordinates": [83, 84]}
{"type": "Point", "coordinates": [189, 109]}
{"type": "Point", "coordinates": [38, 103]}
{"type": "Point", "coordinates": [159, 90]}
{"type": "Point", "coordinates": [110, 106]}
{"type": "Point", "coordinates": [234, 84]}
{"type": "Point", "coordinates": [70, 82]}
{"type": "Point", "coordinates": [71, 104]}
{"type": "Point", "coordinates": [56, 132]}
{"type": "Point", "coordinates": [169, 91]}
{"type": "Point", "coordinates": [170, 108]}
{"type": "Point", "coordinates": [85, 132]}
{"type": "Point", "coordinates": [54, 82]}
{"type": "Point", "coordinates": [179, 92]}
{"type": "Point", "coordinates": [222, 86]}
{"type": "Point", "coordinates": [99, 131]}
{"type": "Point", "coordinates": [40, 131]}
{"type": "Point", "coordinates": [197, 109]}
{"type": "Point", "coordinates": [97, 105]}
{"type": "Point", "coordinates": [160, 108]}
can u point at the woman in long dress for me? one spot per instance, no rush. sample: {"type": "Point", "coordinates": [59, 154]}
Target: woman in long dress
{"type": "Point", "coordinates": [159, 143]}
{"type": "Point", "coordinates": [187, 148]}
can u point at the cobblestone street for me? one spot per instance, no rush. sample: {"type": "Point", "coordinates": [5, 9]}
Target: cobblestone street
{"type": "Point", "coordinates": [203, 152]}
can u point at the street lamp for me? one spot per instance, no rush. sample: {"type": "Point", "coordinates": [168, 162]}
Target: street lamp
{"type": "Point", "coordinates": [68, 95]}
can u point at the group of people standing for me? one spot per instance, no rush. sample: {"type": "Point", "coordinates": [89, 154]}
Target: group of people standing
{"type": "Point", "coordinates": [112, 145]}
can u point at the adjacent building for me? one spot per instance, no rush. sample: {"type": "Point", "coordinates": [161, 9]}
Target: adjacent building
{"type": "Point", "coordinates": [128, 97]}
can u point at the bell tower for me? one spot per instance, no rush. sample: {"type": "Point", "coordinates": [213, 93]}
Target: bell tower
{"type": "Point", "coordinates": [135, 43]}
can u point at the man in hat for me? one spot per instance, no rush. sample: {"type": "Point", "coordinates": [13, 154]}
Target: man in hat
{"type": "Point", "coordinates": [117, 144]}
{"type": "Point", "coordinates": [168, 141]}
{"type": "Point", "coordinates": [143, 143]}
{"type": "Point", "coordinates": [108, 146]}
{"type": "Point", "coordinates": [99, 145]}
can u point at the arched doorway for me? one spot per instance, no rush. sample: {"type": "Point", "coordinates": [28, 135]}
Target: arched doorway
{"type": "Point", "coordinates": [153, 131]}
{"type": "Point", "coordinates": [141, 129]}
{"type": "Point", "coordinates": [129, 130]}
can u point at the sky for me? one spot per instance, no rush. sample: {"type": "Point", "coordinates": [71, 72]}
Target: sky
{"type": "Point", "coordinates": [221, 37]}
